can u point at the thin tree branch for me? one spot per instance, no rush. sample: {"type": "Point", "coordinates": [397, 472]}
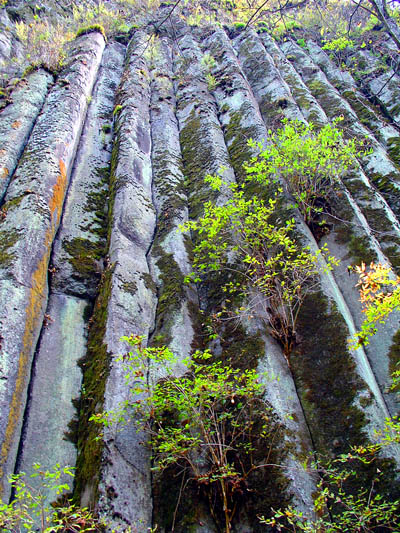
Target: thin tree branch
{"type": "Point", "coordinates": [352, 15]}
{"type": "Point", "coordinates": [169, 14]}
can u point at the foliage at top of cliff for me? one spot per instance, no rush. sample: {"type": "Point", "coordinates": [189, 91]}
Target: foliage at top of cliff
{"type": "Point", "coordinates": [38, 32]}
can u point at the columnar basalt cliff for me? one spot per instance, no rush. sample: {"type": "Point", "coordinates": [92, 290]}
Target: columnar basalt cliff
{"type": "Point", "coordinates": [100, 164]}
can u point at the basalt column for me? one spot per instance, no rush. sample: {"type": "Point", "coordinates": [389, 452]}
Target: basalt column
{"type": "Point", "coordinates": [33, 207]}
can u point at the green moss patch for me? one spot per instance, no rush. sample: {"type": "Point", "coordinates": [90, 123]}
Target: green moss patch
{"type": "Point", "coordinates": [394, 356]}
{"type": "Point", "coordinates": [95, 367]}
{"type": "Point", "coordinates": [84, 255]}
{"type": "Point", "coordinates": [92, 29]}
{"type": "Point", "coordinates": [8, 238]}
{"type": "Point", "coordinates": [366, 115]}
{"type": "Point", "coordinates": [236, 137]}
{"type": "Point", "coordinates": [325, 377]}
{"type": "Point", "coordinates": [394, 149]}
{"type": "Point", "coordinates": [197, 161]}
{"type": "Point", "coordinates": [171, 294]}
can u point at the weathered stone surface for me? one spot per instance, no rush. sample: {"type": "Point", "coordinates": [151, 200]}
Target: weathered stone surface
{"type": "Point", "coordinates": [64, 333]}
{"type": "Point", "coordinates": [378, 351]}
{"type": "Point", "coordinates": [11, 50]}
{"type": "Point", "coordinates": [344, 82]}
{"type": "Point", "coordinates": [56, 380]}
{"type": "Point", "coordinates": [304, 99]}
{"type": "Point", "coordinates": [33, 207]}
{"type": "Point", "coordinates": [189, 99]}
{"type": "Point", "coordinates": [382, 83]}
{"type": "Point", "coordinates": [17, 121]}
{"type": "Point", "coordinates": [235, 101]}
{"type": "Point", "coordinates": [377, 164]}
{"type": "Point", "coordinates": [125, 482]}
{"type": "Point", "coordinates": [169, 254]}
{"type": "Point", "coordinates": [237, 97]}
{"type": "Point", "coordinates": [80, 245]}
{"type": "Point", "coordinates": [269, 88]}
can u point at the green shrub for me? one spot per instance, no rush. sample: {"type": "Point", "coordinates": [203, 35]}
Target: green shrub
{"type": "Point", "coordinates": [262, 262]}
{"type": "Point", "coordinates": [311, 163]}
{"type": "Point", "coordinates": [380, 296]}
{"type": "Point", "coordinates": [338, 507]}
{"type": "Point", "coordinates": [44, 43]}
{"type": "Point", "coordinates": [337, 45]}
{"type": "Point", "coordinates": [30, 505]}
{"type": "Point", "coordinates": [207, 422]}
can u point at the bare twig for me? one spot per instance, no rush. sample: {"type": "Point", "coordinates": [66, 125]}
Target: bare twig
{"type": "Point", "coordinates": [352, 15]}
{"type": "Point", "coordinates": [288, 5]}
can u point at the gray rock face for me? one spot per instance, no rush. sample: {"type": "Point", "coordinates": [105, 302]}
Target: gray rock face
{"type": "Point", "coordinates": [76, 263]}
{"type": "Point", "coordinates": [38, 190]}
{"type": "Point", "coordinates": [169, 255]}
{"type": "Point", "coordinates": [98, 171]}
{"type": "Point", "coordinates": [56, 380]}
{"type": "Point", "coordinates": [125, 472]}
{"type": "Point", "coordinates": [272, 359]}
{"type": "Point", "coordinates": [240, 100]}
{"type": "Point", "coordinates": [80, 246]}
{"type": "Point", "coordinates": [355, 202]}
{"type": "Point", "coordinates": [378, 165]}
{"type": "Point", "coordinates": [17, 121]}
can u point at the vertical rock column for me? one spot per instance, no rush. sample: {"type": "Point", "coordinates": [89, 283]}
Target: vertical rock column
{"type": "Point", "coordinates": [385, 176]}
{"type": "Point", "coordinates": [381, 84]}
{"type": "Point", "coordinates": [349, 219]}
{"type": "Point", "coordinates": [169, 255]}
{"type": "Point", "coordinates": [368, 114]}
{"type": "Point", "coordinates": [204, 151]}
{"type": "Point", "coordinates": [177, 303]}
{"type": "Point", "coordinates": [239, 109]}
{"type": "Point", "coordinates": [378, 166]}
{"type": "Point", "coordinates": [17, 121]}
{"type": "Point", "coordinates": [116, 472]}
{"type": "Point", "coordinates": [33, 205]}
{"type": "Point", "coordinates": [76, 264]}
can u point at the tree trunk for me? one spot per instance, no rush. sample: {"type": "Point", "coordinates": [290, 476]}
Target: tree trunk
{"type": "Point", "coordinates": [389, 23]}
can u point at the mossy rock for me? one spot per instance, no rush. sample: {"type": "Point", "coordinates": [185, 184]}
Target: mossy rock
{"type": "Point", "coordinates": [170, 295]}
{"type": "Point", "coordinates": [95, 367]}
{"type": "Point", "coordinates": [8, 239]}
{"type": "Point", "coordinates": [93, 28]}
{"type": "Point", "coordinates": [325, 377]}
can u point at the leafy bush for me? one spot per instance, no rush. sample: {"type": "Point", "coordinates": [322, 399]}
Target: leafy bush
{"type": "Point", "coordinates": [380, 296]}
{"type": "Point", "coordinates": [101, 16]}
{"type": "Point", "coordinates": [44, 42]}
{"type": "Point", "coordinates": [262, 261]}
{"type": "Point", "coordinates": [338, 507]}
{"type": "Point", "coordinates": [30, 505]}
{"type": "Point", "coordinates": [206, 422]}
{"type": "Point", "coordinates": [337, 45]}
{"type": "Point", "coordinates": [311, 163]}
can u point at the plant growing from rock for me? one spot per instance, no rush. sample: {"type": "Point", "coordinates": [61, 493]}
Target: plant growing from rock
{"type": "Point", "coordinates": [206, 423]}
{"type": "Point", "coordinates": [44, 42]}
{"type": "Point", "coordinates": [310, 163]}
{"type": "Point", "coordinates": [30, 505]}
{"type": "Point", "coordinates": [338, 507]}
{"type": "Point", "coordinates": [262, 260]}
{"type": "Point", "coordinates": [379, 295]}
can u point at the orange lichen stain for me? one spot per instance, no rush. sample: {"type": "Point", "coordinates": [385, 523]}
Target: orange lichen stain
{"type": "Point", "coordinates": [34, 313]}
{"type": "Point", "coordinates": [34, 317]}
{"type": "Point", "coordinates": [16, 124]}
{"type": "Point", "coordinates": [59, 189]}
{"type": "Point", "coordinates": [4, 172]}
{"type": "Point", "coordinates": [3, 152]}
